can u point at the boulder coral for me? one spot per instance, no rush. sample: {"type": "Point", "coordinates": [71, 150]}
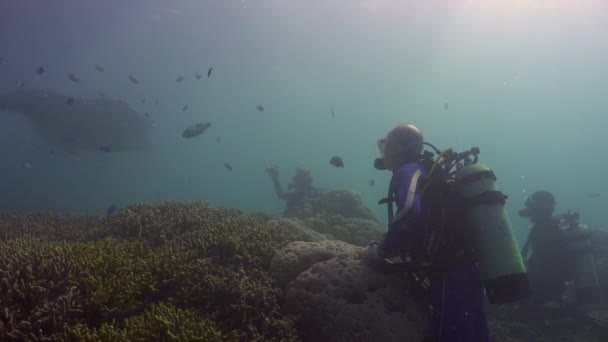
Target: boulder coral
{"type": "Point", "coordinates": [343, 299]}
{"type": "Point", "coordinates": [298, 256]}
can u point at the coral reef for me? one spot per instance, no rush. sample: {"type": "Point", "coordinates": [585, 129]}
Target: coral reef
{"type": "Point", "coordinates": [343, 299]}
{"type": "Point", "coordinates": [298, 256]}
{"type": "Point", "coordinates": [299, 231]}
{"type": "Point", "coordinates": [552, 323]}
{"type": "Point", "coordinates": [148, 272]}
{"type": "Point", "coordinates": [50, 226]}
{"type": "Point", "coordinates": [337, 202]}
{"type": "Point", "coordinates": [189, 272]}
{"type": "Point", "coordinates": [355, 231]}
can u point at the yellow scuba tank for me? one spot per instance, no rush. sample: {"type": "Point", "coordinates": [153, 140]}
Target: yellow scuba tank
{"type": "Point", "coordinates": [500, 261]}
{"type": "Point", "coordinates": [586, 284]}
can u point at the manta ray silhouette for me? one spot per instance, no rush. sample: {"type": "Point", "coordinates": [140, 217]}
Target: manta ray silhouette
{"type": "Point", "coordinates": [82, 124]}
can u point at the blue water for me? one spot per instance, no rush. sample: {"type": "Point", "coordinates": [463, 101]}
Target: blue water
{"type": "Point", "coordinates": [524, 80]}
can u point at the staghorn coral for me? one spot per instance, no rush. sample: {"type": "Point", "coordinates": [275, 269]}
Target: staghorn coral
{"type": "Point", "coordinates": [38, 291]}
{"type": "Point", "coordinates": [51, 226]}
{"type": "Point", "coordinates": [157, 323]}
{"type": "Point", "coordinates": [208, 266]}
{"type": "Point", "coordinates": [161, 222]}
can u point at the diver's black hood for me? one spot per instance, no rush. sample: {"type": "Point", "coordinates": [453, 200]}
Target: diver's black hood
{"type": "Point", "coordinates": [379, 164]}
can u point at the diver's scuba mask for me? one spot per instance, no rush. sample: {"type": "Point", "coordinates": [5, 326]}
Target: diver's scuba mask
{"type": "Point", "coordinates": [381, 143]}
{"type": "Point", "coordinates": [379, 162]}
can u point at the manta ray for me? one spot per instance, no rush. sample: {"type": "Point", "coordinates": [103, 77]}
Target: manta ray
{"type": "Point", "coordinates": [77, 125]}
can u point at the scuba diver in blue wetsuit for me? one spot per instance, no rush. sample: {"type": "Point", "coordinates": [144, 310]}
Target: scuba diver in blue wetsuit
{"type": "Point", "coordinates": [300, 190]}
{"type": "Point", "coordinates": [451, 231]}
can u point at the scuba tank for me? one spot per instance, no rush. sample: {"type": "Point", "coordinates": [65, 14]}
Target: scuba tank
{"type": "Point", "coordinates": [586, 284]}
{"type": "Point", "coordinates": [500, 262]}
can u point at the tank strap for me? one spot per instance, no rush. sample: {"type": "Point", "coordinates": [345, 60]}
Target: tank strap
{"type": "Point", "coordinates": [392, 197]}
{"type": "Point", "coordinates": [477, 176]}
{"type": "Point", "coordinates": [488, 197]}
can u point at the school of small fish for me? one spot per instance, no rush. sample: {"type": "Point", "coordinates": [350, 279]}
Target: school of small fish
{"type": "Point", "coordinates": [190, 132]}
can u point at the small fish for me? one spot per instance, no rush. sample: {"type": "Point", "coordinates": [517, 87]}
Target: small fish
{"type": "Point", "coordinates": [594, 195]}
{"type": "Point", "coordinates": [197, 75]}
{"type": "Point", "coordinates": [156, 102]}
{"type": "Point", "coordinates": [146, 114]}
{"type": "Point", "coordinates": [105, 148]}
{"type": "Point", "coordinates": [72, 77]}
{"type": "Point", "coordinates": [70, 101]}
{"type": "Point", "coordinates": [20, 84]}
{"type": "Point", "coordinates": [184, 108]}
{"type": "Point", "coordinates": [179, 79]}
{"type": "Point", "coordinates": [333, 114]}
{"type": "Point", "coordinates": [218, 139]}
{"type": "Point", "coordinates": [40, 70]}
{"type": "Point", "coordinates": [372, 182]}
{"type": "Point", "coordinates": [209, 72]}
{"type": "Point", "coordinates": [260, 108]}
{"type": "Point", "coordinates": [195, 130]}
{"type": "Point", "coordinates": [189, 181]}
{"type": "Point", "coordinates": [228, 166]}
{"type": "Point", "coordinates": [111, 209]}
{"type": "Point", "coordinates": [142, 100]}
{"type": "Point", "coordinates": [26, 165]}
{"type": "Point", "coordinates": [133, 79]}
{"type": "Point", "coordinates": [98, 67]}
{"type": "Point", "coordinates": [336, 161]}
{"type": "Point", "coordinates": [52, 152]}
{"type": "Point", "coordinates": [446, 106]}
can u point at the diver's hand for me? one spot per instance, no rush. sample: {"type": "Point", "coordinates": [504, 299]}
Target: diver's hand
{"type": "Point", "coordinates": [272, 171]}
{"type": "Point", "coordinates": [372, 253]}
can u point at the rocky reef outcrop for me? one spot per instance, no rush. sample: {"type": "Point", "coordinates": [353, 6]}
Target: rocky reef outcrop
{"type": "Point", "coordinates": [339, 297]}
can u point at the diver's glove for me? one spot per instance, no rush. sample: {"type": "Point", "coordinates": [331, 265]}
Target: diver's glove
{"type": "Point", "coordinates": [373, 253]}
{"type": "Point", "coordinates": [272, 171]}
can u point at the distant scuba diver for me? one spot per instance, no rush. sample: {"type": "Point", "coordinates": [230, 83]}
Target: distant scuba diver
{"type": "Point", "coordinates": [450, 232]}
{"type": "Point", "coordinates": [558, 252]}
{"type": "Point", "coordinates": [300, 190]}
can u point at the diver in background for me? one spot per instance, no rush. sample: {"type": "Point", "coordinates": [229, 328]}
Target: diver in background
{"type": "Point", "coordinates": [561, 263]}
{"type": "Point", "coordinates": [545, 251]}
{"type": "Point", "coordinates": [300, 190]}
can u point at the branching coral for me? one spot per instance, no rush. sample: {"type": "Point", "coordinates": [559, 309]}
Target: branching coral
{"type": "Point", "coordinates": [167, 272]}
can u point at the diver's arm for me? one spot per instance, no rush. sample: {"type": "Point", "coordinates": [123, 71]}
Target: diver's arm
{"type": "Point", "coordinates": [406, 181]}
{"type": "Point", "coordinates": [278, 189]}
